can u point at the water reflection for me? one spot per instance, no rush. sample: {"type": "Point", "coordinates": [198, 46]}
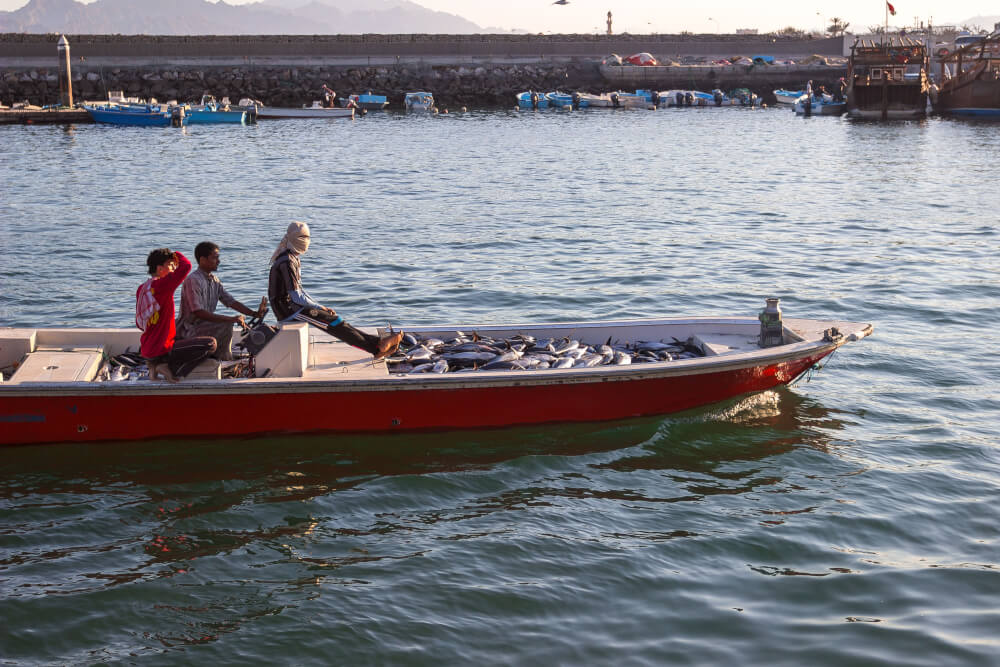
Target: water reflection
{"type": "Point", "coordinates": [164, 506]}
{"type": "Point", "coordinates": [748, 429]}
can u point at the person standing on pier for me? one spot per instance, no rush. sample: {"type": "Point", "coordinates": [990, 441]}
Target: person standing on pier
{"type": "Point", "coordinates": [201, 293]}
{"type": "Point", "coordinates": [154, 315]}
{"type": "Point", "coordinates": [292, 303]}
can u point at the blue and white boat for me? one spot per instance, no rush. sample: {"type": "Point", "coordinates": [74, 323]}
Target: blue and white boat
{"type": "Point", "coordinates": [370, 102]}
{"type": "Point", "coordinates": [675, 98]}
{"type": "Point", "coordinates": [788, 96]}
{"type": "Point", "coordinates": [744, 97]}
{"type": "Point", "coordinates": [559, 99]}
{"type": "Point", "coordinates": [210, 112]}
{"type": "Point", "coordinates": [419, 101]}
{"type": "Point", "coordinates": [703, 99]}
{"type": "Point", "coordinates": [532, 100]}
{"type": "Point", "coordinates": [819, 105]}
{"type": "Point", "coordinates": [143, 115]}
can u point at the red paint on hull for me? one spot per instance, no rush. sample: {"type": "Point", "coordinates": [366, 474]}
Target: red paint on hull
{"type": "Point", "coordinates": [86, 417]}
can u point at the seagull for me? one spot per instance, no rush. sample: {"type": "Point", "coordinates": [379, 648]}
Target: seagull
{"type": "Point", "coordinates": [561, 2]}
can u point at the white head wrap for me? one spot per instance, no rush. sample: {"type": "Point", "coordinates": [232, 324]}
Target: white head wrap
{"type": "Point", "coordinates": [296, 239]}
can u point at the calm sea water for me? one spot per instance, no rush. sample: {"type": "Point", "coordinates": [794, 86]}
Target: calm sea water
{"type": "Point", "coordinates": [849, 520]}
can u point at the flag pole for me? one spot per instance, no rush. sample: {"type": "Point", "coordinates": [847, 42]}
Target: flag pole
{"type": "Point", "coordinates": [885, 30]}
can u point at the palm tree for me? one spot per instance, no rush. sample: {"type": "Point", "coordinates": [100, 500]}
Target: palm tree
{"type": "Point", "coordinates": [837, 27]}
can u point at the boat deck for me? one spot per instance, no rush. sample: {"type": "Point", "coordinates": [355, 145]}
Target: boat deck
{"type": "Point", "coordinates": [331, 359]}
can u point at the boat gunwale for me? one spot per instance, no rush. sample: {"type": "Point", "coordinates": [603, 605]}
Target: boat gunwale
{"type": "Point", "coordinates": [478, 379]}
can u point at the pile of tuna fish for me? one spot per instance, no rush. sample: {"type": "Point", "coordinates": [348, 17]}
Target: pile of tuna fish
{"type": "Point", "coordinates": [468, 352]}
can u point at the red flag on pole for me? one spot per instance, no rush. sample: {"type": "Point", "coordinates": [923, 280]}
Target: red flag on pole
{"type": "Point", "coordinates": [892, 10]}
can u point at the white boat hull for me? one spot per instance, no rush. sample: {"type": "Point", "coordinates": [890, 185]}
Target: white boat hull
{"type": "Point", "coordinates": [305, 112]}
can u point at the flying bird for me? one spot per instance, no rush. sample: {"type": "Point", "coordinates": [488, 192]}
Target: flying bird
{"type": "Point", "coordinates": [561, 2]}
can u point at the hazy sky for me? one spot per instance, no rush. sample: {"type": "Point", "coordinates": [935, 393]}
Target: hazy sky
{"type": "Point", "coordinates": [643, 16]}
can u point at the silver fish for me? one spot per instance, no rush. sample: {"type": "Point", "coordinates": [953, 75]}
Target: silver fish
{"type": "Point", "coordinates": [510, 355]}
{"type": "Point", "coordinates": [564, 362]}
{"type": "Point", "coordinates": [419, 353]}
{"type": "Point", "coordinates": [506, 364]}
{"type": "Point", "coordinates": [440, 366]}
{"type": "Point", "coordinates": [481, 357]}
{"type": "Point", "coordinates": [650, 346]}
{"type": "Point", "coordinates": [422, 368]}
{"type": "Point", "coordinates": [566, 346]}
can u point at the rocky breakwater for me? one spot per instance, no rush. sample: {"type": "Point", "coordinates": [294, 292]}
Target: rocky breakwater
{"type": "Point", "coordinates": [483, 85]}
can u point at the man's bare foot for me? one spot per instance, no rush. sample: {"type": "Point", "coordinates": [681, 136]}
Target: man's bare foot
{"type": "Point", "coordinates": [388, 344]}
{"type": "Point", "coordinates": [164, 370]}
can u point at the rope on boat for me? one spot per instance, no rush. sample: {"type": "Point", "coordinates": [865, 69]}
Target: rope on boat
{"type": "Point", "coordinates": [815, 368]}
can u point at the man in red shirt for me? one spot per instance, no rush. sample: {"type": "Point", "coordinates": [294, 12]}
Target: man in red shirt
{"type": "Point", "coordinates": [154, 314]}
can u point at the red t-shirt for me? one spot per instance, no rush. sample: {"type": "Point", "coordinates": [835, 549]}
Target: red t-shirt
{"type": "Point", "coordinates": [158, 339]}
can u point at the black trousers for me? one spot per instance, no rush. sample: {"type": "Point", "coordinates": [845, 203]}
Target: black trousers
{"type": "Point", "coordinates": [186, 354]}
{"type": "Point", "coordinates": [334, 324]}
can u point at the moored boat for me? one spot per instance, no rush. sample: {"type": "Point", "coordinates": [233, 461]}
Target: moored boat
{"type": "Point", "coordinates": [819, 105]}
{"type": "Point", "coordinates": [562, 100]}
{"type": "Point", "coordinates": [887, 80]}
{"type": "Point", "coordinates": [623, 100]}
{"type": "Point", "coordinates": [210, 112]}
{"type": "Point", "coordinates": [676, 98]}
{"type": "Point", "coordinates": [743, 97]}
{"type": "Point", "coordinates": [532, 100]}
{"type": "Point", "coordinates": [57, 393]}
{"type": "Point", "coordinates": [369, 102]}
{"type": "Point", "coordinates": [317, 110]}
{"type": "Point", "coordinates": [590, 100]}
{"type": "Point", "coordinates": [140, 115]}
{"type": "Point", "coordinates": [970, 80]}
{"type": "Point", "coordinates": [419, 101]}
{"type": "Point", "coordinates": [789, 97]}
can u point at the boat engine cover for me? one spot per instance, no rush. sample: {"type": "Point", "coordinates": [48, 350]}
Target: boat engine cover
{"type": "Point", "coordinates": [258, 337]}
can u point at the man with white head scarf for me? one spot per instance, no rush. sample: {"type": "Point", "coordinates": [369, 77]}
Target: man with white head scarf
{"type": "Point", "coordinates": [292, 303]}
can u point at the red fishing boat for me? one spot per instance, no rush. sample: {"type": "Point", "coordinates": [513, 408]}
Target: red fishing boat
{"type": "Point", "coordinates": [313, 383]}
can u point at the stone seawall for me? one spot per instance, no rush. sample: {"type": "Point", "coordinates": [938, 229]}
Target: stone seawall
{"type": "Point", "coordinates": [452, 86]}
{"type": "Point", "coordinates": [460, 70]}
{"type": "Point", "coordinates": [25, 46]}
{"type": "Point", "coordinates": [293, 86]}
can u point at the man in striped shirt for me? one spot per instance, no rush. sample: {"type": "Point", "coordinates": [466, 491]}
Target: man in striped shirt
{"type": "Point", "coordinates": [201, 293]}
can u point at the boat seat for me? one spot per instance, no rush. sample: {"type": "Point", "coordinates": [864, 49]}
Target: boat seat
{"type": "Point", "coordinates": [287, 354]}
{"type": "Point", "coordinates": [15, 344]}
{"type": "Point", "coordinates": [58, 366]}
{"type": "Point", "coordinates": [208, 369]}
{"type": "Point", "coordinates": [715, 344]}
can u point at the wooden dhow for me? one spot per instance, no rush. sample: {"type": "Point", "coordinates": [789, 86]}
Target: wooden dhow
{"type": "Point", "coordinates": [970, 80]}
{"type": "Point", "coordinates": [887, 80]}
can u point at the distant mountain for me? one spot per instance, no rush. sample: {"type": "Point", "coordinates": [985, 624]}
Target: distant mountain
{"type": "Point", "coordinates": [984, 22]}
{"type": "Point", "coordinates": [200, 17]}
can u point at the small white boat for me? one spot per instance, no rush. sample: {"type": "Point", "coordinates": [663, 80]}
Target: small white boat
{"type": "Point", "coordinates": [317, 110]}
{"type": "Point", "coordinates": [623, 100]}
{"type": "Point", "coordinates": [678, 98]}
{"type": "Point", "coordinates": [591, 100]}
{"type": "Point", "coordinates": [788, 96]}
{"type": "Point", "coordinates": [819, 105]}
